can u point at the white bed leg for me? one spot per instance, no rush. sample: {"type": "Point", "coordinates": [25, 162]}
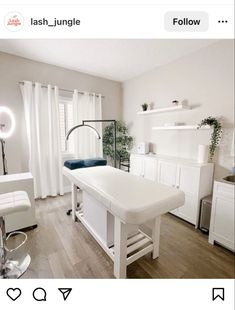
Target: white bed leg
{"type": "Point", "coordinates": [120, 249]}
{"type": "Point", "coordinates": [156, 236]}
{"type": "Point", "coordinates": [74, 201]}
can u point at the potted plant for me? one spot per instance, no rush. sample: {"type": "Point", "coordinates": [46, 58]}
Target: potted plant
{"type": "Point", "coordinates": [124, 141]}
{"type": "Point", "coordinates": [144, 106]}
{"type": "Point", "coordinates": [216, 133]}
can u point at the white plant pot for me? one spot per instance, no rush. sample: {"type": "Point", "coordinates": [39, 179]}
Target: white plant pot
{"type": "Point", "coordinates": [203, 152]}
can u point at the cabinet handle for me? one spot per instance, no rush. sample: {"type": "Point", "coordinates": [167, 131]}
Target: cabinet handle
{"type": "Point", "coordinates": [177, 186]}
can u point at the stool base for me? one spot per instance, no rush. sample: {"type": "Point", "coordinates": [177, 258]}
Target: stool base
{"type": "Point", "coordinates": [14, 269]}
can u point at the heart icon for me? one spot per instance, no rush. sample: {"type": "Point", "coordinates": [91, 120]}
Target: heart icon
{"type": "Point", "coordinates": [13, 293]}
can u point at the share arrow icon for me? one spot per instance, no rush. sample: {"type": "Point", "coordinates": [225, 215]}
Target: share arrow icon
{"type": "Point", "coordinates": [65, 292]}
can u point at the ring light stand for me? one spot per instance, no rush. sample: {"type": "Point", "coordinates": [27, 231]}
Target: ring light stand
{"type": "Point", "coordinates": [4, 161]}
{"type": "Point", "coordinates": [5, 133]}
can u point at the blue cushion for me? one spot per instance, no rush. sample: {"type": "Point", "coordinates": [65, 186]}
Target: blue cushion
{"type": "Point", "coordinates": [91, 162]}
{"type": "Point", "coordinates": [74, 164]}
{"type": "Point", "coordinates": [84, 163]}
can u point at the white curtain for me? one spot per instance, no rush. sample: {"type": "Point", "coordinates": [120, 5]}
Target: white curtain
{"type": "Point", "coordinates": [41, 109]}
{"type": "Point", "coordinates": [87, 107]}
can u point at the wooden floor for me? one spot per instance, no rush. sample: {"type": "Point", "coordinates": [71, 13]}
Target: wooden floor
{"type": "Point", "coordinates": [60, 248]}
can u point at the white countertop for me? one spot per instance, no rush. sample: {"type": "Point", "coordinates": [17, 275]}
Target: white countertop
{"type": "Point", "coordinates": [185, 161]}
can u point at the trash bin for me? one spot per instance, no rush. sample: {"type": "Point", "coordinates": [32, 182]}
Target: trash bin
{"type": "Point", "coordinates": [205, 214]}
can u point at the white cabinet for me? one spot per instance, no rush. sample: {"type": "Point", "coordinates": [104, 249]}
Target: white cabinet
{"type": "Point", "coordinates": [167, 172]}
{"type": "Point", "coordinates": [150, 168]}
{"type": "Point", "coordinates": [187, 179]}
{"type": "Point", "coordinates": [194, 179]}
{"type": "Point", "coordinates": [189, 183]}
{"type": "Point", "coordinates": [222, 215]}
{"type": "Point", "coordinates": [144, 166]}
{"type": "Point", "coordinates": [136, 165]}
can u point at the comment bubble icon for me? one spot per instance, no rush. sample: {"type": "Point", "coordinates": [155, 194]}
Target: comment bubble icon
{"type": "Point", "coordinates": [40, 294]}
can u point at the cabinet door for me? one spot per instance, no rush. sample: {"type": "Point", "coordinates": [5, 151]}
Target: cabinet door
{"type": "Point", "coordinates": [167, 173]}
{"type": "Point", "coordinates": [222, 221]}
{"type": "Point", "coordinates": [150, 169]}
{"type": "Point", "coordinates": [188, 182]}
{"type": "Point", "coordinates": [136, 165]}
{"type": "Point", "coordinates": [188, 179]}
{"type": "Point", "coordinates": [188, 211]}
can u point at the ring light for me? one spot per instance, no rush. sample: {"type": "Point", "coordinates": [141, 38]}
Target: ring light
{"type": "Point", "coordinates": [6, 134]}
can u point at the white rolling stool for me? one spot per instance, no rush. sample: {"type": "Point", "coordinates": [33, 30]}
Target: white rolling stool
{"type": "Point", "coordinates": [11, 203]}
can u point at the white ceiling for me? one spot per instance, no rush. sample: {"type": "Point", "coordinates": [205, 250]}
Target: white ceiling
{"type": "Point", "coordinates": [118, 60]}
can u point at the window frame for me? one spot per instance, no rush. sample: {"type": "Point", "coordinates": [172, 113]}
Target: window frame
{"type": "Point", "coordinates": [65, 101]}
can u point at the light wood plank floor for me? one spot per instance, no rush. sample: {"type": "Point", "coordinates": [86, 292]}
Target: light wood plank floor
{"type": "Point", "coordinates": [60, 248]}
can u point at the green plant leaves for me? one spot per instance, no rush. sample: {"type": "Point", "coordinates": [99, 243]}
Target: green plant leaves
{"type": "Point", "coordinates": [124, 142]}
{"type": "Point", "coordinates": [216, 134]}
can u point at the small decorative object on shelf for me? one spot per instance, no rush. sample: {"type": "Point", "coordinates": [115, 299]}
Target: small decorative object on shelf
{"type": "Point", "coordinates": [144, 106]}
{"type": "Point", "coordinates": [175, 102]}
{"type": "Point", "coordinates": [174, 124]}
{"type": "Point", "coordinates": [216, 133]}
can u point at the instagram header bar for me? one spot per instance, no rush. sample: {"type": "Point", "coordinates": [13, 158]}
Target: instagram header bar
{"type": "Point", "coordinates": [117, 21]}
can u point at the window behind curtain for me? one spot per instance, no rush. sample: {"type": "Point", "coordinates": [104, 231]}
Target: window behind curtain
{"type": "Point", "coordinates": [66, 122]}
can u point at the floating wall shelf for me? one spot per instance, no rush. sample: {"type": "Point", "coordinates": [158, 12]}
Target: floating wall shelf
{"type": "Point", "coordinates": [163, 110]}
{"type": "Point", "coordinates": [182, 127]}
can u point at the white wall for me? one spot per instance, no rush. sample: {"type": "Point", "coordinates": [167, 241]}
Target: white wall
{"type": "Point", "coordinates": [14, 69]}
{"type": "Point", "coordinates": [205, 79]}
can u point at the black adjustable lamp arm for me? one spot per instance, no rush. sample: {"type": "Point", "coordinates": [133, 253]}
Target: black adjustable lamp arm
{"type": "Point", "coordinates": [81, 125]}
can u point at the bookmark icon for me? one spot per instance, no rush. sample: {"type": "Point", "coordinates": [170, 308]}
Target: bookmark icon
{"type": "Point", "coordinates": [218, 292]}
{"type": "Point", "coordinates": [65, 292]}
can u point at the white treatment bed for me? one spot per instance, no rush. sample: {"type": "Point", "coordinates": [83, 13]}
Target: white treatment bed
{"type": "Point", "coordinates": [122, 211]}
